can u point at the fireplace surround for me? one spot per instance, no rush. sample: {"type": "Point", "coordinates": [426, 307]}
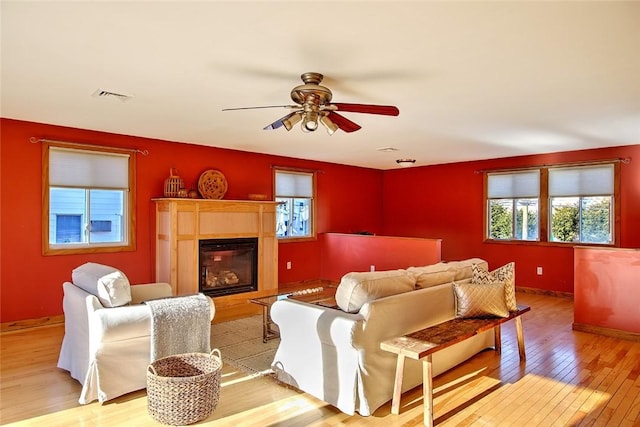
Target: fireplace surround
{"type": "Point", "coordinates": [182, 223]}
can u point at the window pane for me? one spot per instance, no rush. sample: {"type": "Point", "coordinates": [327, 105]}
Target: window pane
{"type": "Point", "coordinates": [68, 229]}
{"type": "Point", "coordinates": [283, 218]}
{"type": "Point", "coordinates": [595, 224]}
{"type": "Point", "coordinates": [565, 214]}
{"type": "Point", "coordinates": [106, 206]}
{"type": "Point", "coordinates": [65, 203]}
{"type": "Point", "coordinates": [293, 218]}
{"type": "Point", "coordinates": [301, 225]}
{"type": "Point", "coordinates": [526, 219]}
{"type": "Point", "coordinates": [501, 219]}
{"type": "Point", "coordinates": [70, 208]}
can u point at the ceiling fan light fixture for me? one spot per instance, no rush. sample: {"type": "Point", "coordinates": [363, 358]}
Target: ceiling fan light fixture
{"type": "Point", "coordinates": [310, 121]}
{"type": "Point", "coordinates": [406, 163]}
{"type": "Point", "coordinates": [292, 120]}
{"type": "Point", "coordinates": [328, 124]}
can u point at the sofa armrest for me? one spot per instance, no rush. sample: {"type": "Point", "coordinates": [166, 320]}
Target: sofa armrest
{"type": "Point", "coordinates": [311, 322]}
{"type": "Point", "coordinates": [149, 291]}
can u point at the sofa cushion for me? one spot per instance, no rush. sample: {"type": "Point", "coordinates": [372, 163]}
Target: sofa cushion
{"type": "Point", "coordinates": [108, 284]}
{"type": "Point", "coordinates": [464, 269]}
{"type": "Point", "coordinates": [505, 274]}
{"type": "Point", "coordinates": [445, 272]}
{"type": "Point", "coordinates": [480, 300]}
{"type": "Point", "coordinates": [355, 289]}
{"type": "Point", "coordinates": [431, 275]}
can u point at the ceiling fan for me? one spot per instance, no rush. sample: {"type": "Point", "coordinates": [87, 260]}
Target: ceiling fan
{"type": "Point", "coordinates": [314, 105]}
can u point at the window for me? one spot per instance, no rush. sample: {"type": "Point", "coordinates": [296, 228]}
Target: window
{"type": "Point", "coordinates": [295, 213]}
{"type": "Point", "coordinates": [513, 200]}
{"type": "Point", "coordinates": [581, 202]}
{"type": "Point", "coordinates": [559, 204]}
{"type": "Point", "coordinates": [89, 199]}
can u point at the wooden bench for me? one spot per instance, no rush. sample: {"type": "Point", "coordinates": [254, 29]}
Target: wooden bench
{"type": "Point", "coordinates": [421, 345]}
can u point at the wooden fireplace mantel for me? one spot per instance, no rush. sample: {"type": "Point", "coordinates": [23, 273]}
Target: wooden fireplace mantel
{"type": "Point", "coordinates": [182, 223]}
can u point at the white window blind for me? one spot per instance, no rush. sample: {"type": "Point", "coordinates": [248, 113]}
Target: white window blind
{"type": "Point", "coordinates": [513, 185]}
{"type": "Point", "coordinates": [294, 184]}
{"type": "Point", "coordinates": [88, 169]}
{"type": "Point", "coordinates": [581, 181]}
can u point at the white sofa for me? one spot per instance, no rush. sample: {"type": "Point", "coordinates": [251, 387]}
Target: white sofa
{"type": "Point", "coordinates": [335, 355]}
{"type": "Point", "coordinates": [107, 339]}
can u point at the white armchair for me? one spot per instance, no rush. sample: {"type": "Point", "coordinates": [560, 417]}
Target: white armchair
{"type": "Point", "coordinates": [107, 349]}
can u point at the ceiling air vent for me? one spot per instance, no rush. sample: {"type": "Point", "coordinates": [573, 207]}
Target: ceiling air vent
{"type": "Point", "coordinates": [100, 93]}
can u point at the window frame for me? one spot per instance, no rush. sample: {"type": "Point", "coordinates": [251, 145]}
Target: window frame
{"type": "Point", "coordinates": [312, 211]}
{"type": "Point", "coordinates": [129, 217]}
{"type": "Point", "coordinates": [544, 206]}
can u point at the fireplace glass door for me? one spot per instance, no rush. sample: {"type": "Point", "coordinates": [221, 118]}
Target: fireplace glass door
{"type": "Point", "coordinates": [228, 266]}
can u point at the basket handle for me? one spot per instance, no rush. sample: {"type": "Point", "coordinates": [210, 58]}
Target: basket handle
{"type": "Point", "coordinates": [215, 350]}
{"type": "Point", "coordinates": [173, 172]}
{"type": "Point", "coordinates": [151, 369]}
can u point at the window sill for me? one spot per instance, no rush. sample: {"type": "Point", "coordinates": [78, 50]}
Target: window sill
{"type": "Point", "coordinates": [552, 244]}
{"type": "Point", "coordinates": [297, 239]}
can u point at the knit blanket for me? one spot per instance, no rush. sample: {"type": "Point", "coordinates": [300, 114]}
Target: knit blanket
{"type": "Point", "coordinates": [180, 325]}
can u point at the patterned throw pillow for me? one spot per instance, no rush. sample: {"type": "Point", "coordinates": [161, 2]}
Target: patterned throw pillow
{"type": "Point", "coordinates": [480, 300]}
{"type": "Point", "coordinates": [506, 275]}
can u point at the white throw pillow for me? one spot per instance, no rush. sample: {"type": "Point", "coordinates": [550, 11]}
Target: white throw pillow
{"type": "Point", "coordinates": [109, 284]}
{"type": "Point", "coordinates": [356, 289]}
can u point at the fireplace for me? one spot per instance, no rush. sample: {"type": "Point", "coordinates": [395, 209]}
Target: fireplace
{"type": "Point", "coordinates": [228, 266]}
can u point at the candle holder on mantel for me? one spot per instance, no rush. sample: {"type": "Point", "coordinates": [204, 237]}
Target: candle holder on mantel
{"type": "Point", "coordinates": [173, 184]}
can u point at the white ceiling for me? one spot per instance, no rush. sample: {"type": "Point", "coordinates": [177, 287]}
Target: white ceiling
{"type": "Point", "coordinates": [473, 80]}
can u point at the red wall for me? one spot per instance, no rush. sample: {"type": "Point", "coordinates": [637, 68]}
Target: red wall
{"type": "Point", "coordinates": [342, 253]}
{"type": "Point", "coordinates": [442, 201]}
{"type": "Point", "coordinates": [446, 202]}
{"type": "Point", "coordinates": [607, 291]}
{"type": "Point", "coordinates": [31, 284]}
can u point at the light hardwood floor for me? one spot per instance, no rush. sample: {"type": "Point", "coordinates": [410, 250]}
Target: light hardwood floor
{"type": "Point", "coordinates": [569, 378]}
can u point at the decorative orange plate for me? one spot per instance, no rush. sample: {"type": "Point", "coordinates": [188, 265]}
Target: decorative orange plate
{"type": "Point", "coordinates": [212, 184]}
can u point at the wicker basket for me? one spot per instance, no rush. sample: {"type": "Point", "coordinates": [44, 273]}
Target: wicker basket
{"type": "Point", "coordinates": [184, 388]}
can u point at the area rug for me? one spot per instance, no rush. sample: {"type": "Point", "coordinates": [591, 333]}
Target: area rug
{"type": "Point", "coordinates": [240, 344]}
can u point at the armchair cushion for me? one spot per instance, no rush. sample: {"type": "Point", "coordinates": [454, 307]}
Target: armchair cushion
{"type": "Point", "coordinates": [108, 284]}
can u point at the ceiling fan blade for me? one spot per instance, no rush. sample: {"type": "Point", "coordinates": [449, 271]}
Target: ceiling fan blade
{"type": "Point", "coordinates": [280, 122]}
{"type": "Point", "coordinates": [386, 110]}
{"type": "Point", "coordinates": [267, 106]}
{"type": "Point", "coordinates": [343, 123]}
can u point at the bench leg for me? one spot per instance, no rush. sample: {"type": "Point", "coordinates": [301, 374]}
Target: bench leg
{"type": "Point", "coordinates": [397, 385]}
{"type": "Point", "coordinates": [497, 339]}
{"type": "Point", "coordinates": [427, 390]}
{"type": "Point", "coordinates": [520, 334]}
